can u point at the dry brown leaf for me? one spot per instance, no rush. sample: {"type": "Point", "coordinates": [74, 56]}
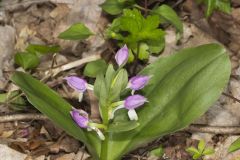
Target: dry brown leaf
{"type": "Point", "coordinates": [7, 153]}
{"type": "Point", "coordinates": [66, 157]}
{"type": "Point", "coordinates": [23, 37]}
{"type": "Point", "coordinates": [81, 155]}
{"type": "Point", "coordinates": [60, 11]}
{"type": "Point", "coordinates": [7, 134]}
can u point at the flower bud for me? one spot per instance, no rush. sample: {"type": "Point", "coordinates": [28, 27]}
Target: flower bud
{"type": "Point", "coordinates": [138, 82]}
{"type": "Point", "coordinates": [80, 119]}
{"type": "Point", "coordinates": [134, 101]}
{"type": "Point", "coordinates": [77, 83]}
{"type": "Point", "coordinates": [122, 56]}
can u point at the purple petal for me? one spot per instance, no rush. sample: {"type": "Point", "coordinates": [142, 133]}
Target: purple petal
{"type": "Point", "coordinates": [134, 101]}
{"type": "Point", "coordinates": [138, 82]}
{"type": "Point", "coordinates": [122, 55]}
{"type": "Point", "coordinates": [81, 120]}
{"type": "Point", "coordinates": [77, 83]}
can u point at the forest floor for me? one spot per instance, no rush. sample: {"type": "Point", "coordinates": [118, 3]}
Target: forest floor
{"type": "Point", "coordinates": [23, 137]}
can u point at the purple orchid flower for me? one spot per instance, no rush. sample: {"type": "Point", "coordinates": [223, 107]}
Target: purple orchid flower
{"type": "Point", "coordinates": [134, 101]}
{"type": "Point", "coordinates": [80, 117]}
{"type": "Point", "coordinates": [131, 103]}
{"type": "Point", "coordinates": [122, 56]}
{"type": "Point", "coordinates": [79, 85]}
{"type": "Point", "coordinates": [138, 82]}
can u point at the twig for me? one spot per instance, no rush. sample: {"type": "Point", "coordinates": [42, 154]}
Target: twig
{"type": "Point", "coordinates": [233, 130]}
{"type": "Point", "coordinates": [146, 7]}
{"type": "Point", "coordinates": [21, 117]}
{"type": "Point", "coordinates": [73, 64]}
{"type": "Point", "coordinates": [230, 96]}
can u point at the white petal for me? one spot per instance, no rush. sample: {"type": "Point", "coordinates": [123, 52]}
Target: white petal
{"type": "Point", "coordinates": [132, 115]}
{"type": "Point", "coordinates": [132, 92]}
{"type": "Point", "coordinates": [90, 87]}
{"type": "Point", "coordinates": [80, 96]}
{"type": "Point", "coordinates": [99, 133]}
{"type": "Point", "coordinates": [114, 110]}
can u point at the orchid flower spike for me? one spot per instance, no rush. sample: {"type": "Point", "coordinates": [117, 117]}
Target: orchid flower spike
{"type": "Point", "coordinates": [80, 117]}
{"type": "Point", "coordinates": [121, 56]}
{"type": "Point", "coordinates": [138, 82]}
{"type": "Point", "coordinates": [79, 85]}
{"type": "Point", "coordinates": [131, 103]}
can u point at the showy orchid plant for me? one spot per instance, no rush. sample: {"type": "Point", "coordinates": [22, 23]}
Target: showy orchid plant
{"type": "Point", "coordinates": [130, 103]}
{"type": "Point", "coordinates": [164, 97]}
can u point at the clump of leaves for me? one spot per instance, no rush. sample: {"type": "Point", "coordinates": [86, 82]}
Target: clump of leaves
{"type": "Point", "coordinates": [201, 151]}
{"type": "Point", "coordinates": [172, 105]}
{"type": "Point", "coordinates": [221, 5]}
{"type": "Point", "coordinates": [143, 35]}
{"type": "Point", "coordinates": [30, 58]}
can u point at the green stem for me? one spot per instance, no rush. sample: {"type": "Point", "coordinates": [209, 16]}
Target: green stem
{"type": "Point", "coordinates": [141, 8]}
{"type": "Point", "coordinates": [100, 126]}
{"type": "Point", "coordinates": [104, 145]}
{"type": "Point", "coordinates": [115, 104]}
{"type": "Point", "coordinates": [104, 148]}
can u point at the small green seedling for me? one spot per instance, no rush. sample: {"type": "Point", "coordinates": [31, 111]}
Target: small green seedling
{"type": "Point", "coordinates": [30, 58]}
{"type": "Point", "coordinates": [158, 152]}
{"type": "Point", "coordinates": [201, 151]}
{"type": "Point", "coordinates": [221, 5]}
{"type": "Point", "coordinates": [143, 35]}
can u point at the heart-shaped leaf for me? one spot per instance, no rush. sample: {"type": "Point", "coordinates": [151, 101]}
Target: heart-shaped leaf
{"type": "Point", "coordinates": [183, 86]}
{"type": "Point", "coordinates": [26, 60]}
{"type": "Point", "coordinates": [77, 31]}
{"type": "Point", "coordinates": [57, 109]}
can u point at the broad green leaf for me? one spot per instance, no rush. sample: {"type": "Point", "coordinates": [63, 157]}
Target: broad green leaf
{"type": "Point", "coordinates": [56, 108]}
{"type": "Point", "coordinates": [192, 150]}
{"type": "Point", "coordinates": [27, 60]}
{"type": "Point", "coordinates": [182, 88]}
{"type": "Point", "coordinates": [234, 146]}
{"type": "Point", "coordinates": [208, 151]}
{"type": "Point", "coordinates": [42, 49]}
{"type": "Point", "coordinates": [123, 126]}
{"type": "Point", "coordinates": [170, 15]}
{"type": "Point", "coordinates": [77, 31]}
{"type": "Point", "coordinates": [115, 7]}
{"type": "Point", "coordinates": [158, 152]}
{"type": "Point", "coordinates": [92, 69]}
{"type": "Point", "coordinates": [201, 146]}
